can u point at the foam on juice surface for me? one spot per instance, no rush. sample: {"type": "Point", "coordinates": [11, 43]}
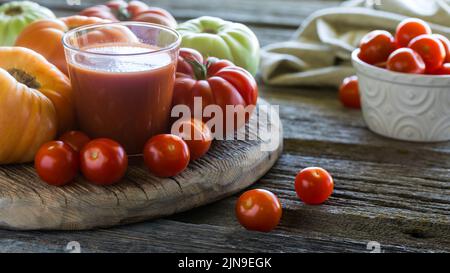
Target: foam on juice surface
{"type": "Point", "coordinates": [115, 62]}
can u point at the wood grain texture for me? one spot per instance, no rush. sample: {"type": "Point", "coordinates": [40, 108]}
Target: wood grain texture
{"type": "Point", "coordinates": [396, 193]}
{"type": "Point", "coordinates": [174, 236]}
{"type": "Point", "coordinates": [230, 166]}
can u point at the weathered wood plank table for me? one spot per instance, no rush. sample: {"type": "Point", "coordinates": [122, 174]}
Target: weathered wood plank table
{"type": "Point", "coordinates": [394, 193]}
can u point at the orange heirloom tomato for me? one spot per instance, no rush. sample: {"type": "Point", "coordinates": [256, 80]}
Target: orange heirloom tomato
{"type": "Point", "coordinates": [36, 103]}
{"type": "Point", "coordinates": [217, 82]}
{"type": "Point", "coordinates": [45, 36]}
{"type": "Point", "coordinates": [119, 10]}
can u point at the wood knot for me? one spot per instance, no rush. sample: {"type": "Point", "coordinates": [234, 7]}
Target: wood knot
{"type": "Point", "coordinates": [418, 233]}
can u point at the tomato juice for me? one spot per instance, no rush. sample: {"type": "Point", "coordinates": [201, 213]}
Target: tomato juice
{"type": "Point", "coordinates": [126, 97]}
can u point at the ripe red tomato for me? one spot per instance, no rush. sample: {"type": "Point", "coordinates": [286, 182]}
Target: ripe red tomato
{"type": "Point", "coordinates": [443, 70]}
{"type": "Point", "coordinates": [103, 161]}
{"type": "Point", "coordinates": [430, 49]}
{"type": "Point", "coordinates": [376, 47]}
{"type": "Point", "coordinates": [406, 60]}
{"type": "Point", "coordinates": [56, 163]}
{"type": "Point", "coordinates": [258, 210]}
{"type": "Point", "coordinates": [197, 136]}
{"type": "Point", "coordinates": [314, 185]}
{"type": "Point", "coordinates": [409, 29]}
{"type": "Point", "coordinates": [446, 43]}
{"type": "Point", "coordinates": [185, 59]}
{"type": "Point", "coordinates": [349, 93]}
{"type": "Point", "coordinates": [166, 155]}
{"type": "Point", "coordinates": [75, 139]}
{"type": "Point", "coordinates": [216, 82]}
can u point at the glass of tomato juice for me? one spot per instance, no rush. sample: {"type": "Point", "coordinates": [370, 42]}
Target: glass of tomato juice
{"type": "Point", "coordinates": [122, 75]}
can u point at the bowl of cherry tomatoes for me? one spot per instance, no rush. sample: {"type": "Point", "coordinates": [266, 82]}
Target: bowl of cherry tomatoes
{"type": "Point", "coordinates": [404, 82]}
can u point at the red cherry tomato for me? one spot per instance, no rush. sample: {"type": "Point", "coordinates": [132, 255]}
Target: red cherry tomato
{"type": "Point", "coordinates": [258, 210]}
{"type": "Point", "coordinates": [406, 60]}
{"type": "Point", "coordinates": [376, 47]}
{"type": "Point", "coordinates": [166, 155]}
{"type": "Point", "coordinates": [409, 29]}
{"type": "Point", "coordinates": [443, 70]}
{"type": "Point", "coordinates": [314, 185]}
{"type": "Point", "coordinates": [103, 161]}
{"type": "Point", "coordinates": [349, 93]}
{"type": "Point", "coordinates": [75, 139]}
{"type": "Point", "coordinates": [56, 163]}
{"type": "Point", "coordinates": [197, 136]}
{"type": "Point", "coordinates": [446, 43]}
{"type": "Point", "coordinates": [430, 49]}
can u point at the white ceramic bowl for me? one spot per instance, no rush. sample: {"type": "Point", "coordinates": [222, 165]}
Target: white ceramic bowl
{"type": "Point", "coordinates": [404, 106]}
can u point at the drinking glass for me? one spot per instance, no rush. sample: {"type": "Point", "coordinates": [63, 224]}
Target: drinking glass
{"type": "Point", "coordinates": [122, 76]}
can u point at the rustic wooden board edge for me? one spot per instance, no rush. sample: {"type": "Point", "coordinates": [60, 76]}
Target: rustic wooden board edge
{"type": "Point", "coordinates": [32, 205]}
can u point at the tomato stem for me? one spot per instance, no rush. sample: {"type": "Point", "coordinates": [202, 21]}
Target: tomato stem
{"type": "Point", "coordinates": [24, 78]}
{"type": "Point", "coordinates": [211, 31]}
{"type": "Point", "coordinates": [94, 155]}
{"type": "Point", "coordinates": [123, 14]}
{"type": "Point", "coordinates": [14, 10]}
{"type": "Point", "coordinates": [200, 70]}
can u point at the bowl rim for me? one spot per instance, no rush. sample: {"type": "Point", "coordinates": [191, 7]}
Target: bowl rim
{"type": "Point", "coordinates": [405, 76]}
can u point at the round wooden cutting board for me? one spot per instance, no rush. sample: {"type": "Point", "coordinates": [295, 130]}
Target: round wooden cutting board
{"type": "Point", "coordinates": [230, 166]}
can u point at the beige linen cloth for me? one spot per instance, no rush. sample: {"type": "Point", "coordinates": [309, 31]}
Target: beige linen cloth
{"type": "Point", "coordinates": [319, 54]}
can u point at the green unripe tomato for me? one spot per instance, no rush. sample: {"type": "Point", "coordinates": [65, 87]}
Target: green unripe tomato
{"type": "Point", "coordinates": [214, 37]}
{"type": "Point", "coordinates": [16, 15]}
